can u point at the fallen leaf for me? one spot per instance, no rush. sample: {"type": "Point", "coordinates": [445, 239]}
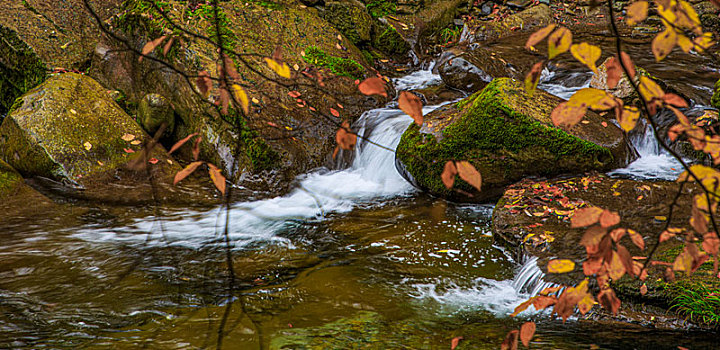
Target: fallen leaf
{"type": "Point", "coordinates": [88, 146]}
{"type": "Point", "coordinates": [128, 137]}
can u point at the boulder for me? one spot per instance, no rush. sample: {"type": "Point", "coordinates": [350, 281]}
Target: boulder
{"type": "Point", "coordinates": [351, 18]}
{"type": "Point", "coordinates": [533, 219]}
{"type": "Point", "coordinates": [38, 36]}
{"type": "Point", "coordinates": [69, 132]}
{"type": "Point", "coordinates": [281, 138]}
{"type": "Point", "coordinates": [10, 180]}
{"type": "Point", "coordinates": [715, 101]}
{"type": "Point", "coordinates": [527, 20]}
{"type": "Point", "coordinates": [470, 70]}
{"type": "Point", "coordinates": [387, 39]}
{"type": "Point", "coordinates": [155, 110]}
{"type": "Point", "coordinates": [507, 135]}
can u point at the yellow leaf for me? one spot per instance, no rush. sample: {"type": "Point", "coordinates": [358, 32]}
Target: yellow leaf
{"type": "Point", "coordinates": [637, 12]}
{"type": "Point", "coordinates": [136, 142]}
{"type": "Point", "coordinates": [629, 118]}
{"type": "Point", "coordinates": [703, 42]}
{"type": "Point", "coordinates": [242, 97]}
{"type": "Point", "coordinates": [661, 218]}
{"type": "Point", "coordinates": [538, 36]}
{"type": "Point", "coordinates": [559, 42]}
{"type": "Point", "coordinates": [684, 42]}
{"type": "Point", "coordinates": [560, 266]}
{"type": "Point", "coordinates": [281, 69]}
{"type": "Point", "coordinates": [586, 54]}
{"type": "Point", "coordinates": [650, 89]}
{"type": "Point", "coordinates": [88, 146]}
{"type": "Point", "coordinates": [255, 101]}
{"type": "Point", "coordinates": [592, 98]}
{"type": "Point", "coordinates": [664, 43]}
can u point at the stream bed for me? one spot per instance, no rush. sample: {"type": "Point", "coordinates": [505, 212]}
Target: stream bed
{"type": "Point", "coordinates": [352, 258]}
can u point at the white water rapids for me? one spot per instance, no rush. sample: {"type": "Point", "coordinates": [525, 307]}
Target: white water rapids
{"type": "Point", "coordinates": [372, 177]}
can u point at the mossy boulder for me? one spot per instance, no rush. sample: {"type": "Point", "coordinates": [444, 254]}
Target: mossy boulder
{"type": "Point", "coordinates": [351, 18]}
{"type": "Point", "coordinates": [643, 206]}
{"type": "Point", "coordinates": [387, 39]}
{"type": "Point", "coordinates": [155, 110]}
{"type": "Point", "coordinates": [69, 131]}
{"type": "Point", "coordinates": [10, 180]}
{"type": "Point", "coordinates": [507, 135]}
{"type": "Point", "coordinates": [37, 36]}
{"type": "Point", "coordinates": [281, 138]}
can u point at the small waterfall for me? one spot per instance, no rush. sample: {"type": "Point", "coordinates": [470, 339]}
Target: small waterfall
{"type": "Point", "coordinates": [529, 279]}
{"type": "Point", "coordinates": [654, 162]}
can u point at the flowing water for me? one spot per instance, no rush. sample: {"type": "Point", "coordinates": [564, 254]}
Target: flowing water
{"type": "Point", "coordinates": [352, 258]}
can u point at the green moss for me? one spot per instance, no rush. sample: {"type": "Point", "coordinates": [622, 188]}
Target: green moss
{"type": "Point", "coordinates": [500, 142]}
{"type": "Point", "coordinates": [260, 155]}
{"type": "Point", "coordinates": [20, 69]}
{"type": "Point", "coordinates": [338, 65]}
{"type": "Point", "coordinates": [390, 42]}
{"type": "Point", "coordinates": [381, 8]}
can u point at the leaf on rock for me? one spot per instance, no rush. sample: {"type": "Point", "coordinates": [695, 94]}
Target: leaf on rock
{"type": "Point", "coordinates": [217, 178]}
{"type": "Point", "coordinates": [189, 169]}
{"type": "Point", "coordinates": [448, 174]}
{"type": "Point", "coordinates": [373, 86]}
{"type": "Point", "coordinates": [150, 46]}
{"type": "Point", "coordinates": [468, 173]}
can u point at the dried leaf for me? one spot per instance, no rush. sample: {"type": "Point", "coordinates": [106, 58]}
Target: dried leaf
{"type": "Point", "coordinates": [168, 45]}
{"type": "Point", "coordinates": [649, 89]}
{"type": "Point", "coordinates": [559, 42]}
{"type": "Point", "coordinates": [560, 266]}
{"type": "Point", "coordinates": [455, 342]}
{"type": "Point", "coordinates": [280, 68]}
{"type": "Point", "coordinates": [344, 138]}
{"type": "Point", "coordinates": [196, 148]}
{"type": "Point", "coordinates": [628, 63]}
{"type": "Point", "coordinates": [711, 243]}
{"type": "Point", "coordinates": [637, 239]}
{"type": "Point", "coordinates": [511, 341]}
{"type": "Point", "coordinates": [468, 173]}
{"type": "Point", "coordinates": [565, 115]}
{"type": "Point", "coordinates": [675, 100]}
{"type": "Point", "coordinates": [448, 174]}
{"type": "Point", "coordinates": [411, 104]}
{"type": "Point", "coordinates": [628, 118]}
{"type": "Point", "coordinates": [186, 171]}
{"type": "Point", "coordinates": [533, 77]}
{"type": "Point", "coordinates": [637, 12]}
{"type": "Point", "coordinates": [373, 86]}
{"type": "Point", "coordinates": [242, 97]}
{"type": "Point", "coordinates": [609, 300]}
{"type": "Point", "coordinates": [181, 142]}
{"type": "Point", "coordinates": [585, 217]}
{"type": "Point", "coordinates": [538, 36]}
{"type": "Point", "coordinates": [609, 218]}
{"type": "Point", "coordinates": [217, 178]}
{"type": "Point", "coordinates": [587, 54]}
{"type": "Point", "coordinates": [664, 43]}
{"type": "Point", "coordinates": [128, 137]}
{"type": "Point", "coordinates": [527, 331]}
{"type": "Point", "coordinates": [224, 100]}
{"type": "Point", "coordinates": [204, 83]}
{"type": "Point", "coordinates": [614, 72]}
{"type": "Point", "coordinates": [150, 46]}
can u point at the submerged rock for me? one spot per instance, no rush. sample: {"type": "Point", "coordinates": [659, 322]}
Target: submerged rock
{"type": "Point", "coordinates": [507, 135]}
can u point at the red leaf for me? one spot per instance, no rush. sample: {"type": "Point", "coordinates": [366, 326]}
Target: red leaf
{"type": "Point", "coordinates": [186, 171]}
{"type": "Point", "coordinates": [153, 160]}
{"type": "Point", "coordinates": [628, 63]}
{"type": "Point", "coordinates": [448, 174]}
{"type": "Point", "coordinates": [675, 100]}
{"type": "Point", "coordinates": [181, 142]}
{"type": "Point", "coordinates": [373, 86]}
{"type": "Point", "coordinates": [294, 94]}
{"type": "Point", "coordinates": [334, 112]}
{"type": "Point", "coordinates": [711, 243]}
{"type": "Point", "coordinates": [527, 331]}
{"type": "Point", "coordinates": [129, 150]}
{"type": "Point", "coordinates": [224, 99]}
{"type": "Point", "coordinates": [196, 148]}
{"type": "Point", "coordinates": [609, 300]}
{"type": "Point", "coordinates": [454, 343]}
{"type": "Point", "coordinates": [204, 83]}
{"type": "Point", "coordinates": [411, 104]}
{"type": "Point", "coordinates": [637, 239]}
{"type": "Point", "coordinates": [511, 341]}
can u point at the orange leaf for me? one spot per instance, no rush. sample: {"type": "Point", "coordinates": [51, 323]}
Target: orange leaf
{"type": "Point", "coordinates": [614, 72]}
{"type": "Point", "coordinates": [628, 63]}
{"type": "Point", "coordinates": [334, 112]}
{"type": "Point", "coordinates": [560, 266]}
{"type": "Point", "coordinates": [609, 300]}
{"type": "Point", "coordinates": [711, 243]}
{"type": "Point", "coordinates": [615, 267]}
{"type": "Point", "coordinates": [675, 100]}
{"type": "Point", "coordinates": [637, 239]}
{"type": "Point", "coordinates": [468, 173]}
{"type": "Point", "coordinates": [373, 86]}
{"type": "Point", "coordinates": [150, 46]}
{"type": "Point", "coordinates": [455, 342]}
{"type": "Point", "coordinates": [224, 99]}
{"type": "Point", "coordinates": [168, 45]}
{"type": "Point", "coordinates": [186, 171]}
{"type": "Point", "coordinates": [586, 216]}
{"type": "Point", "coordinates": [345, 139]}
{"type": "Point", "coordinates": [217, 178]}
{"type": "Point", "coordinates": [448, 174]}
{"type": "Point", "coordinates": [196, 148]}
{"type": "Point", "coordinates": [637, 12]}
{"type": "Point", "coordinates": [609, 218]}
{"type": "Point", "coordinates": [411, 104]}
{"type": "Point", "coordinates": [565, 115]}
{"type": "Point", "coordinates": [181, 142]}
{"type": "Point", "coordinates": [527, 331]}
{"type": "Point", "coordinates": [538, 36]}
{"type": "Point", "coordinates": [643, 289]}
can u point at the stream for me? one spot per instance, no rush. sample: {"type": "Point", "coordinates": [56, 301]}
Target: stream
{"type": "Point", "coordinates": [352, 258]}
